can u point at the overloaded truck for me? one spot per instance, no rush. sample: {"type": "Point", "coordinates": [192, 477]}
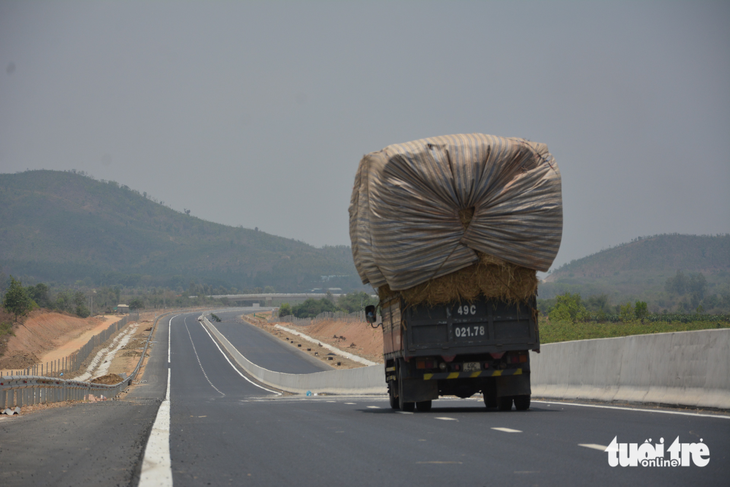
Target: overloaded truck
{"type": "Point", "coordinates": [451, 231]}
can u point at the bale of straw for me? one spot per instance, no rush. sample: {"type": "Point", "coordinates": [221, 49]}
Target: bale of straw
{"type": "Point", "coordinates": [491, 278]}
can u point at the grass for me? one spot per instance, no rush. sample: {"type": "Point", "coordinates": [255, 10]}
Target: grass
{"type": "Point", "coordinates": [6, 328]}
{"type": "Point", "coordinates": [563, 331]}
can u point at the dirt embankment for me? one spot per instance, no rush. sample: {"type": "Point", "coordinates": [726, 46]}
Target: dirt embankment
{"type": "Point", "coordinates": [357, 338]}
{"type": "Point", "coordinates": [45, 336]}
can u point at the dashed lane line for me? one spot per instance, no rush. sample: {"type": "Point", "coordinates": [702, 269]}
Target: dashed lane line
{"type": "Point", "coordinates": [593, 446]}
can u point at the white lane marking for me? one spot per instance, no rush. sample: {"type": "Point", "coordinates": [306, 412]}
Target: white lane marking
{"type": "Point", "coordinates": [169, 337]}
{"type": "Point", "coordinates": [373, 407]}
{"type": "Point", "coordinates": [351, 403]}
{"type": "Point", "coordinates": [404, 412]}
{"type": "Point", "coordinates": [197, 357]}
{"type": "Point", "coordinates": [507, 430]}
{"type": "Point", "coordinates": [620, 408]}
{"type": "Point", "coordinates": [593, 446]}
{"type": "Point", "coordinates": [445, 418]}
{"type": "Point", "coordinates": [156, 465]}
{"type": "Point", "coordinates": [234, 367]}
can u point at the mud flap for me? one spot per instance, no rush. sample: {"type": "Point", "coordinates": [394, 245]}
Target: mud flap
{"type": "Point", "coordinates": [513, 385]}
{"type": "Point", "coordinates": [414, 390]}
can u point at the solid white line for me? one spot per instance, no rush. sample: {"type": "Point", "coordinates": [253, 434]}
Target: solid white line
{"type": "Point", "coordinates": [507, 430]}
{"type": "Point", "coordinates": [234, 367]}
{"type": "Point", "coordinates": [169, 337]}
{"type": "Point", "coordinates": [156, 466]}
{"type": "Point", "coordinates": [198, 358]}
{"type": "Point", "coordinates": [620, 408]}
{"type": "Point", "coordinates": [593, 446]}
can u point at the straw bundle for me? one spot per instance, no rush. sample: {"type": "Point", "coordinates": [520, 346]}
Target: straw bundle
{"type": "Point", "coordinates": [490, 278]}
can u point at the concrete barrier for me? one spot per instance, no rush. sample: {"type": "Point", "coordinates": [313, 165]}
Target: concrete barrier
{"type": "Point", "coordinates": [363, 380]}
{"type": "Point", "coordinates": [683, 369]}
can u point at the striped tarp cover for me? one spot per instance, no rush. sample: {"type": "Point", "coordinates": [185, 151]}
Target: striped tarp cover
{"type": "Point", "coordinates": [405, 226]}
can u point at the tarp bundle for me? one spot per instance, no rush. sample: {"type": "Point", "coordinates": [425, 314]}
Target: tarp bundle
{"type": "Point", "coordinates": [428, 208]}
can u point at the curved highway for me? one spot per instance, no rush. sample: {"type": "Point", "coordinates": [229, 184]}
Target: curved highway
{"type": "Point", "coordinates": [225, 430]}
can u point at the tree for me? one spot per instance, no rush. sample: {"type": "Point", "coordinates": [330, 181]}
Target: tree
{"type": "Point", "coordinates": [284, 310]}
{"type": "Point", "coordinates": [677, 284]}
{"type": "Point", "coordinates": [312, 307]}
{"type": "Point", "coordinates": [16, 300]}
{"type": "Point", "coordinates": [136, 303]}
{"type": "Point", "coordinates": [598, 306]}
{"type": "Point", "coordinates": [569, 307]}
{"type": "Point", "coordinates": [626, 312]}
{"type": "Point", "coordinates": [353, 302]}
{"type": "Point", "coordinates": [40, 294]}
{"type": "Point", "coordinates": [641, 310]}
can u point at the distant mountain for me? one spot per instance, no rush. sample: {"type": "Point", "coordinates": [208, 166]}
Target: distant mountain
{"type": "Point", "coordinates": [640, 269]}
{"type": "Point", "coordinates": [63, 227]}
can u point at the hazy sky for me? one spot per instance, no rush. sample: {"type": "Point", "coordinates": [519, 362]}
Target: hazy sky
{"type": "Point", "coordinates": [257, 113]}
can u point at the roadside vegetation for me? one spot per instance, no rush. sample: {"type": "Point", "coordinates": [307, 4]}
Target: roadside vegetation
{"type": "Point", "coordinates": [569, 317]}
{"type": "Point", "coordinates": [349, 303]}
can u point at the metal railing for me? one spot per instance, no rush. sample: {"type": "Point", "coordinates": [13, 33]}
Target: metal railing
{"type": "Point", "coordinates": [25, 390]}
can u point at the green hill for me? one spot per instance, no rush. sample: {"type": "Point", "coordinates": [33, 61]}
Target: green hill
{"type": "Point", "coordinates": [62, 227]}
{"type": "Point", "coordinates": [640, 269]}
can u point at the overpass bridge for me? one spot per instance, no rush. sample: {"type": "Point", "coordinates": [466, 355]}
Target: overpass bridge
{"type": "Point", "coordinates": [271, 299]}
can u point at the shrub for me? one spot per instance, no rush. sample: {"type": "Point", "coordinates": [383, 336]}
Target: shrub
{"type": "Point", "coordinates": [626, 313]}
{"type": "Point", "coordinates": [285, 310]}
{"type": "Point", "coordinates": [569, 307]}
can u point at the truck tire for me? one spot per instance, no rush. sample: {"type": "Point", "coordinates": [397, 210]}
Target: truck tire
{"type": "Point", "coordinates": [423, 406]}
{"type": "Point", "coordinates": [522, 403]}
{"type": "Point", "coordinates": [402, 405]}
{"type": "Point", "coordinates": [504, 403]}
{"type": "Point", "coordinates": [406, 406]}
{"type": "Point", "coordinates": [490, 398]}
{"type": "Point", "coordinates": [391, 395]}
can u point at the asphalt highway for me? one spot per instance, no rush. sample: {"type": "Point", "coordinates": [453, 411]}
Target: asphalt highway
{"type": "Point", "coordinates": [225, 430]}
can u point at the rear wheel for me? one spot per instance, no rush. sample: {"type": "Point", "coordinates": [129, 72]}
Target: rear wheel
{"type": "Point", "coordinates": [423, 406]}
{"type": "Point", "coordinates": [504, 403]}
{"type": "Point", "coordinates": [391, 395]}
{"type": "Point", "coordinates": [522, 403]}
{"type": "Point", "coordinates": [402, 405]}
{"type": "Point", "coordinates": [406, 406]}
{"type": "Point", "coordinates": [490, 399]}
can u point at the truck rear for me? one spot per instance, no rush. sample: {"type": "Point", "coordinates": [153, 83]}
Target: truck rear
{"type": "Point", "coordinates": [458, 349]}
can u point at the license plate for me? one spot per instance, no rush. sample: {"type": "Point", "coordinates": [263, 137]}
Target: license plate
{"type": "Point", "coordinates": [472, 366]}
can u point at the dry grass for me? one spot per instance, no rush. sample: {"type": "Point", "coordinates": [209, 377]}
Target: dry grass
{"type": "Point", "coordinates": [491, 278]}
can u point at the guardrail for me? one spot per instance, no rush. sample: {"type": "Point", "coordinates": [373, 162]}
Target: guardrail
{"type": "Point", "coordinates": [19, 391]}
{"type": "Point", "coordinates": [72, 362]}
